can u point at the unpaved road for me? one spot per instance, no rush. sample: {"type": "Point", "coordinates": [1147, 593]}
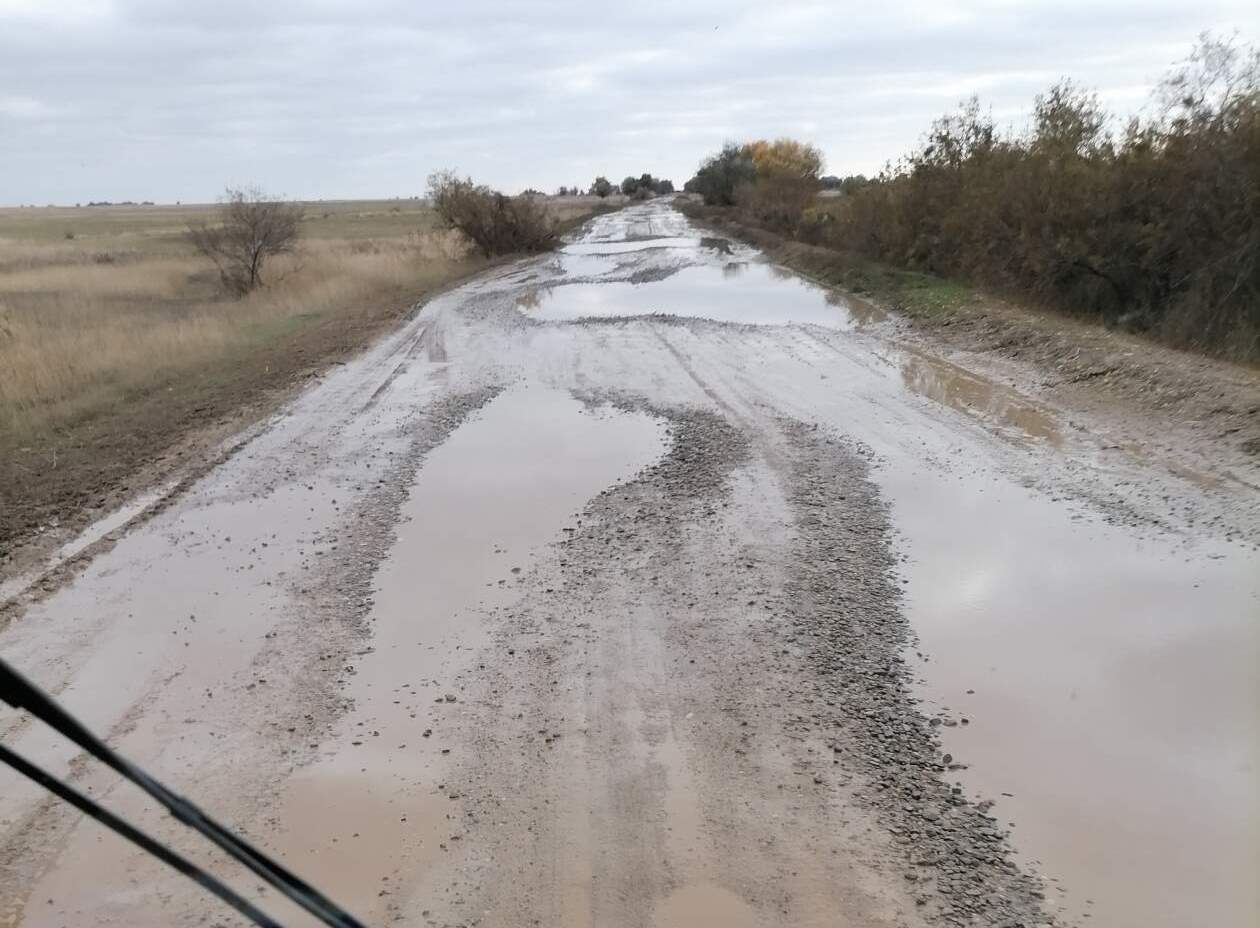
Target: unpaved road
{"type": "Point", "coordinates": [646, 585]}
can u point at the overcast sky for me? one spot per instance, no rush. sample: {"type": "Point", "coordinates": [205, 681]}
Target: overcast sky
{"type": "Point", "coordinates": [154, 100]}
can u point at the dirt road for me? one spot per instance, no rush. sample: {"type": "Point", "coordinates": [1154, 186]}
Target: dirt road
{"type": "Point", "coordinates": [647, 585]}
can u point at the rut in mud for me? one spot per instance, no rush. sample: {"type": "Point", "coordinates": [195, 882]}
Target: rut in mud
{"type": "Point", "coordinates": [641, 584]}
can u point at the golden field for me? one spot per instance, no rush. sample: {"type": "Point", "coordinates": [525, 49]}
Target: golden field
{"type": "Point", "coordinates": [116, 338]}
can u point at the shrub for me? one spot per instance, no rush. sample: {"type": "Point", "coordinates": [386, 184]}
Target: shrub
{"type": "Point", "coordinates": [252, 228]}
{"type": "Point", "coordinates": [722, 174]}
{"type": "Point", "coordinates": [601, 187]}
{"type": "Point", "coordinates": [1153, 226]}
{"type": "Point", "coordinates": [497, 224]}
{"type": "Point", "coordinates": [773, 182]}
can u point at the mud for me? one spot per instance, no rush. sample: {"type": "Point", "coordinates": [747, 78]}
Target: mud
{"type": "Point", "coordinates": [644, 584]}
{"type": "Point", "coordinates": [469, 527]}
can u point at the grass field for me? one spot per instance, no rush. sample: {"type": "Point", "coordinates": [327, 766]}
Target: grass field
{"type": "Point", "coordinates": [115, 337]}
{"type": "Point", "coordinates": [126, 304]}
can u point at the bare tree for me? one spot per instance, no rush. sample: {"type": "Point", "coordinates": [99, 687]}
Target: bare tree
{"type": "Point", "coordinates": [252, 228]}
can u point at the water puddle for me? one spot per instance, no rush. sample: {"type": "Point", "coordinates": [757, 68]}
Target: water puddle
{"type": "Point", "coordinates": [863, 312]}
{"type": "Point", "coordinates": [624, 247]}
{"type": "Point", "coordinates": [1013, 415]}
{"type": "Point", "coordinates": [89, 536]}
{"type": "Point", "coordinates": [1109, 677]}
{"type": "Point", "coordinates": [703, 905]}
{"type": "Point", "coordinates": [747, 292]}
{"type": "Point", "coordinates": [1103, 688]}
{"type": "Point", "coordinates": [370, 815]}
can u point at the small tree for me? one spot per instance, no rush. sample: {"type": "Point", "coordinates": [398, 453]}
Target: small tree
{"type": "Point", "coordinates": [601, 187]}
{"type": "Point", "coordinates": [253, 227]}
{"type": "Point", "coordinates": [720, 175]}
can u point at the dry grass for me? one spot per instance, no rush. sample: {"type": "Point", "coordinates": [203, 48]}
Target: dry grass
{"type": "Point", "coordinates": [126, 306]}
{"type": "Point", "coordinates": [118, 348]}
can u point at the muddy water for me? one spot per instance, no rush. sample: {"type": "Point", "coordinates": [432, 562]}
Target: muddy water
{"type": "Point", "coordinates": [1018, 418]}
{"type": "Point", "coordinates": [1103, 688]}
{"type": "Point", "coordinates": [369, 817]}
{"type": "Point", "coordinates": [1114, 671]}
{"type": "Point", "coordinates": [738, 291]}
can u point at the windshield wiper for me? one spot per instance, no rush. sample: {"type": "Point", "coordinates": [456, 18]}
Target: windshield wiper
{"type": "Point", "coordinates": [20, 693]}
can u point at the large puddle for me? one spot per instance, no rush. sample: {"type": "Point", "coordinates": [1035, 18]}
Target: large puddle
{"type": "Point", "coordinates": [1109, 677]}
{"type": "Point", "coordinates": [1103, 688]}
{"type": "Point", "coordinates": [737, 290]}
{"type": "Point", "coordinates": [369, 816]}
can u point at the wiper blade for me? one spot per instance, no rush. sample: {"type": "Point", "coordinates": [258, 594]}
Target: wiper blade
{"type": "Point", "coordinates": [20, 693]}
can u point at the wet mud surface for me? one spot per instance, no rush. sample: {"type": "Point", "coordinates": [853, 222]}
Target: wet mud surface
{"type": "Point", "coordinates": [646, 584]}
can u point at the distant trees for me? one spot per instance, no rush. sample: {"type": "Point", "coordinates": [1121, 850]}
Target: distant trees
{"type": "Point", "coordinates": [775, 181]}
{"type": "Point", "coordinates": [601, 187]}
{"type": "Point", "coordinates": [252, 228]}
{"type": "Point", "coordinates": [645, 185]}
{"type": "Point", "coordinates": [722, 174]}
{"type": "Point", "coordinates": [785, 159]}
{"type": "Point", "coordinates": [785, 181]}
{"type": "Point", "coordinates": [497, 224]}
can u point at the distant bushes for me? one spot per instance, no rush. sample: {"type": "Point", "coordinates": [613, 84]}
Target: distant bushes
{"type": "Point", "coordinates": [494, 222]}
{"type": "Point", "coordinates": [772, 182]}
{"type": "Point", "coordinates": [1154, 226]}
{"type": "Point", "coordinates": [645, 186]}
{"type": "Point", "coordinates": [722, 174]}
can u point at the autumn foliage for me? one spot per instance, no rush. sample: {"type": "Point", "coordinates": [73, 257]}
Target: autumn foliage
{"type": "Point", "coordinates": [1153, 225]}
{"type": "Point", "coordinates": [774, 182]}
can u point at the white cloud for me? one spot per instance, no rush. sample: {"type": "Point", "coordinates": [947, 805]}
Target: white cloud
{"type": "Point", "coordinates": [157, 99]}
{"type": "Point", "coordinates": [16, 107]}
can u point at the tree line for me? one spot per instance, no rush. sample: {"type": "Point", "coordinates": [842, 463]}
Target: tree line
{"type": "Point", "coordinates": [1152, 224]}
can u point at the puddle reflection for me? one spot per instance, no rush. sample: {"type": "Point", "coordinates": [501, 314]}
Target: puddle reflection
{"type": "Point", "coordinates": [1016, 416]}
{"type": "Point", "coordinates": [766, 295]}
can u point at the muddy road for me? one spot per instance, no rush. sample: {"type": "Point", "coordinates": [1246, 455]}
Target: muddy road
{"type": "Point", "coordinates": [645, 584]}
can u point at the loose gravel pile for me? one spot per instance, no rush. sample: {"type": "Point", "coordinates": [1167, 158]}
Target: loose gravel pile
{"type": "Point", "coordinates": [846, 615]}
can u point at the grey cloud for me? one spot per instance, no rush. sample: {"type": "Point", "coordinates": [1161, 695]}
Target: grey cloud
{"type": "Point", "coordinates": [144, 99]}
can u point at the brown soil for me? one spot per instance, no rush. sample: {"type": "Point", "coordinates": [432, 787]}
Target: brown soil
{"type": "Point", "coordinates": [93, 466]}
{"type": "Point", "coordinates": [99, 463]}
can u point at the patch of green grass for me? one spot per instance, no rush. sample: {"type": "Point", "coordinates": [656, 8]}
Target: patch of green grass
{"type": "Point", "coordinates": [909, 291]}
{"type": "Point", "coordinates": [269, 331]}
